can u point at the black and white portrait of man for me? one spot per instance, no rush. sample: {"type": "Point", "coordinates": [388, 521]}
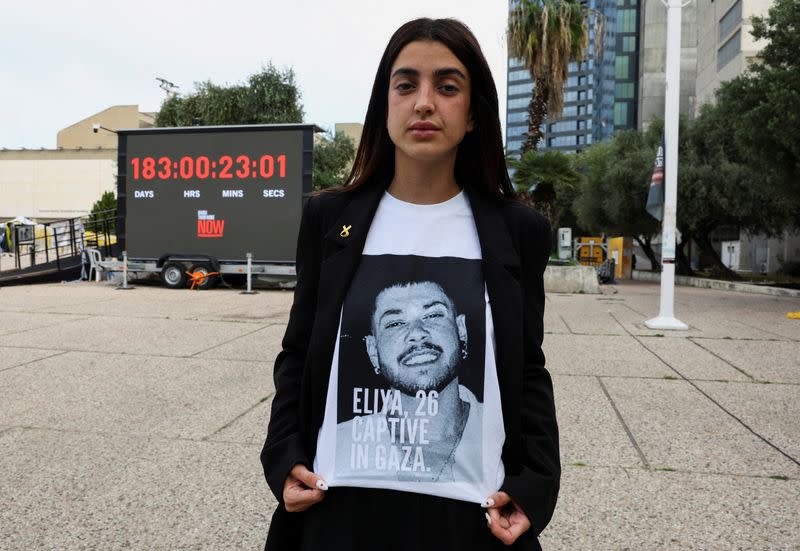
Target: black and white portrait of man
{"type": "Point", "coordinates": [412, 418]}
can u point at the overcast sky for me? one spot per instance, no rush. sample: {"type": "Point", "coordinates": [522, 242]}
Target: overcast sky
{"type": "Point", "coordinates": [60, 62]}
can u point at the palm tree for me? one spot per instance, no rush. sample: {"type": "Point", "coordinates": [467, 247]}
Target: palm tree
{"type": "Point", "coordinates": [549, 181]}
{"type": "Point", "coordinates": [546, 35]}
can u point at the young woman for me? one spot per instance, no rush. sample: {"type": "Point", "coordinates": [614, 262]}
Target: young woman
{"type": "Point", "coordinates": [412, 408]}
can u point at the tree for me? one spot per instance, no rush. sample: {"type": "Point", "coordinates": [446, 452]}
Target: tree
{"type": "Point", "coordinates": [764, 104]}
{"type": "Point", "coordinates": [554, 178]}
{"type": "Point", "coordinates": [332, 157]}
{"type": "Point", "coordinates": [614, 192]}
{"type": "Point", "coordinates": [546, 35]}
{"type": "Point", "coordinates": [104, 208]}
{"type": "Point", "coordinates": [716, 188]}
{"type": "Point", "coordinates": [269, 96]}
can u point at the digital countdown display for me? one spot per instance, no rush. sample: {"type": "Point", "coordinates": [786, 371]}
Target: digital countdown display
{"type": "Point", "coordinates": [214, 191]}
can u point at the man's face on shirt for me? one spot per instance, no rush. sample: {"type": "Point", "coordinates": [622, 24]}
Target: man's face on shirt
{"type": "Point", "coordinates": [416, 337]}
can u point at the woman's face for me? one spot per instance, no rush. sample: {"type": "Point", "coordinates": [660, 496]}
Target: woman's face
{"type": "Point", "coordinates": [429, 102]}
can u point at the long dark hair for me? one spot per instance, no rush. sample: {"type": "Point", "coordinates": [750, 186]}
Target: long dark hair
{"type": "Point", "coordinates": [480, 161]}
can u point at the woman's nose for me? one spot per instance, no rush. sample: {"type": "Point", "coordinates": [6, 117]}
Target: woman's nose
{"type": "Point", "coordinates": [425, 97]}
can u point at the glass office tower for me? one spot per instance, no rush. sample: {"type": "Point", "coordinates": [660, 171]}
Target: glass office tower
{"type": "Point", "coordinates": [600, 95]}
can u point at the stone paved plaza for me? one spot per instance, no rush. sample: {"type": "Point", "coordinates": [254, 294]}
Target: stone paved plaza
{"type": "Point", "coordinates": [134, 420]}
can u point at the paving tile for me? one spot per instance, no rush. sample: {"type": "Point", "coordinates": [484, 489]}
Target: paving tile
{"type": "Point", "coordinates": [771, 410]}
{"type": "Point", "coordinates": [617, 355]}
{"type": "Point", "coordinates": [13, 357]}
{"type": "Point", "coordinates": [650, 510]}
{"type": "Point", "coordinates": [61, 490]}
{"type": "Point", "coordinates": [250, 428]}
{"type": "Point", "coordinates": [553, 322]}
{"type": "Point", "coordinates": [262, 345]}
{"type": "Point", "coordinates": [168, 397]}
{"type": "Point", "coordinates": [19, 322]}
{"type": "Point", "coordinates": [136, 335]}
{"type": "Point", "coordinates": [32, 298]}
{"type": "Point", "coordinates": [692, 361]}
{"type": "Point", "coordinates": [774, 361]}
{"type": "Point", "coordinates": [677, 427]}
{"type": "Point", "coordinates": [589, 431]}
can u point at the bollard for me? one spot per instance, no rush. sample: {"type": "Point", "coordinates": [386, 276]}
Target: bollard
{"type": "Point", "coordinates": [249, 290]}
{"type": "Point", "coordinates": [125, 286]}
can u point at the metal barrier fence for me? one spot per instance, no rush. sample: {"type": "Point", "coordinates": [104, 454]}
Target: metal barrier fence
{"type": "Point", "coordinates": [38, 244]}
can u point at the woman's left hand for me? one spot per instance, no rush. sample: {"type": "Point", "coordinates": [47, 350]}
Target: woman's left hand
{"type": "Point", "coordinates": [506, 519]}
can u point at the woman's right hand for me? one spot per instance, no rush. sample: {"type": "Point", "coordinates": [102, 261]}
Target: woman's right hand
{"type": "Point", "coordinates": [302, 489]}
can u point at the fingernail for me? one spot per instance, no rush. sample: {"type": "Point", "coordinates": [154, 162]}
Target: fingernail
{"type": "Point", "coordinates": [488, 518]}
{"type": "Point", "coordinates": [488, 503]}
{"type": "Point", "coordinates": [321, 485]}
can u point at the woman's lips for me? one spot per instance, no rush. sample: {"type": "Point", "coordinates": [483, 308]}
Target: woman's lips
{"type": "Point", "coordinates": [423, 129]}
{"type": "Point", "coordinates": [423, 132]}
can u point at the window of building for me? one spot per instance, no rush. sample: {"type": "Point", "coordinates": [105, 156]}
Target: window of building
{"type": "Point", "coordinates": [515, 62]}
{"type": "Point", "coordinates": [561, 141]}
{"type": "Point", "coordinates": [513, 145]}
{"type": "Point", "coordinates": [563, 126]}
{"type": "Point", "coordinates": [582, 95]}
{"type": "Point", "coordinates": [622, 67]}
{"type": "Point", "coordinates": [626, 21]}
{"type": "Point", "coordinates": [729, 21]}
{"type": "Point", "coordinates": [624, 90]}
{"type": "Point", "coordinates": [628, 43]}
{"type": "Point", "coordinates": [572, 81]}
{"type": "Point", "coordinates": [620, 114]}
{"type": "Point", "coordinates": [517, 103]}
{"type": "Point", "coordinates": [729, 50]}
{"type": "Point", "coordinates": [582, 81]}
{"type": "Point", "coordinates": [523, 88]}
{"type": "Point", "coordinates": [519, 74]}
{"type": "Point", "coordinates": [570, 111]}
{"type": "Point", "coordinates": [518, 116]}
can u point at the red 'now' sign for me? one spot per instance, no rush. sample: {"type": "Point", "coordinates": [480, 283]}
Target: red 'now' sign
{"type": "Point", "coordinates": [210, 228]}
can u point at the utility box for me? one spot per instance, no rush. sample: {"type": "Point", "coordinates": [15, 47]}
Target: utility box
{"type": "Point", "coordinates": [621, 250]}
{"type": "Point", "coordinates": [590, 251]}
{"type": "Point", "coordinates": [564, 243]}
{"type": "Point", "coordinates": [730, 254]}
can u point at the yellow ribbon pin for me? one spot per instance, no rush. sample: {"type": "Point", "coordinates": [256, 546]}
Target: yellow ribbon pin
{"type": "Point", "coordinates": [345, 231]}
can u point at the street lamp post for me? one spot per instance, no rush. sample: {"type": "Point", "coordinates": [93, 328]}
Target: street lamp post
{"type": "Point", "coordinates": [666, 318]}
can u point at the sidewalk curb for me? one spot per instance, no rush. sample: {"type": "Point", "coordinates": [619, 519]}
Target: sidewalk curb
{"type": "Point", "coordinates": [705, 283]}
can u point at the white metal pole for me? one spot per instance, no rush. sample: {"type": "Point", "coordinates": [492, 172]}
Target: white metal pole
{"type": "Point", "coordinates": [249, 290]}
{"type": "Point", "coordinates": [666, 317]}
{"type": "Point", "coordinates": [125, 286]}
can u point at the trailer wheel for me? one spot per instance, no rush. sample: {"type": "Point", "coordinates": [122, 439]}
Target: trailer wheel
{"type": "Point", "coordinates": [173, 275]}
{"type": "Point", "coordinates": [201, 277]}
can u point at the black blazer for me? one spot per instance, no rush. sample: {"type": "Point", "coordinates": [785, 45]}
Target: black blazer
{"type": "Point", "coordinates": [515, 246]}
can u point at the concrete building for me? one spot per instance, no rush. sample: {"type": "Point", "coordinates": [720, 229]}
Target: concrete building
{"type": "Point", "coordinates": [52, 184]}
{"type": "Point", "coordinates": [601, 91]}
{"type": "Point", "coordinates": [653, 60]}
{"type": "Point", "coordinates": [725, 47]}
{"type": "Point", "coordinates": [352, 130]}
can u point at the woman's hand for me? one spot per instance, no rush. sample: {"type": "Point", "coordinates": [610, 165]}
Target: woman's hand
{"type": "Point", "coordinates": [506, 520]}
{"type": "Point", "coordinates": [302, 489]}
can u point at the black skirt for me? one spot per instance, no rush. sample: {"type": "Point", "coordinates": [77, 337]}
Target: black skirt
{"type": "Point", "coordinates": [359, 519]}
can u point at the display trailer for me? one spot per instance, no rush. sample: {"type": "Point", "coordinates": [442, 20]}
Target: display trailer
{"type": "Point", "coordinates": [194, 202]}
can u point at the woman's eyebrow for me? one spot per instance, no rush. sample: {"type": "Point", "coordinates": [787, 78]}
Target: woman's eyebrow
{"type": "Point", "coordinates": [439, 73]}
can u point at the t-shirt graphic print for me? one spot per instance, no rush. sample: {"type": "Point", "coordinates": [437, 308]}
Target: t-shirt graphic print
{"type": "Point", "coordinates": [410, 392]}
{"type": "Point", "coordinates": [413, 401]}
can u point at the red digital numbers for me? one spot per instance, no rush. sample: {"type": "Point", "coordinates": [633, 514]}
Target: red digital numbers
{"type": "Point", "coordinates": [226, 167]}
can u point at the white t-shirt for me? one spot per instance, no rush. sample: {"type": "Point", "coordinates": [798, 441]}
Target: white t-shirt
{"type": "Point", "coordinates": [413, 399]}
